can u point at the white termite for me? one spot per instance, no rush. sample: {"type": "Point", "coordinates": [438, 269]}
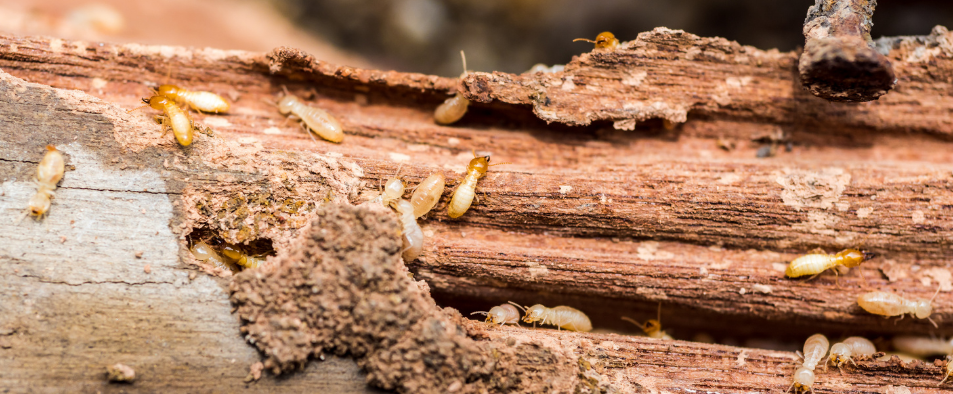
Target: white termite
{"type": "Point", "coordinates": [501, 314]}
{"type": "Point", "coordinates": [206, 253]}
{"type": "Point", "coordinates": [923, 346]}
{"type": "Point", "coordinates": [846, 350]}
{"type": "Point", "coordinates": [455, 107]}
{"type": "Point", "coordinates": [393, 190]}
{"type": "Point", "coordinates": [815, 348]}
{"type": "Point", "coordinates": [410, 231]}
{"type": "Point", "coordinates": [48, 174]}
{"type": "Point", "coordinates": [317, 120]}
{"type": "Point", "coordinates": [889, 304]}
{"type": "Point", "coordinates": [563, 317]}
{"type": "Point", "coordinates": [427, 194]}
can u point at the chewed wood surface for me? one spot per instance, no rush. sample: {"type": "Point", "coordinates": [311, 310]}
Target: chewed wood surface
{"type": "Point", "coordinates": [611, 217]}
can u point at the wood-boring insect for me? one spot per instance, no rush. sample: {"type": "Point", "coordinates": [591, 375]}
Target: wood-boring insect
{"type": "Point", "coordinates": [48, 174]}
{"type": "Point", "coordinates": [889, 304]}
{"type": "Point", "coordinates": [501, 314]}
{"type": "Point", "coordinates": [455, 107]}
{"type": "Point", "coordinates": [563, 317]}
{"type": "Point", "coordinates": [605, 40]}
{"type": "Point", "coordinates": [315, 119]}
{"type": "Point", "coordinates": [922, 346]}
{"type": "Point", "coordinates": [816, 262]}
{"type": "Point", "coordinates": [949, 370]}
{"type": "Point", "coordinates": [176, 117]}
{"type": "Point", "coordinates": [427, 194]}
{"type": "Point", "coordinates": [652, 327]}
{"type": "Point", "coordinates": [197, 100]}
{"type": "Point", "coordinates": [410, 231]}
{"type": "Point", "coordinates": [463, 195]}
{"type": "Point", "coordinates": [238, 256]}
{"type": "Point", "coordinates": [815, 348]}
{"type": "Point", "coordinates": [845, 351]}
{"type": "Point", "coordinates": [206, 253]}
{"type": "Point", "coordinates": [393, 190]}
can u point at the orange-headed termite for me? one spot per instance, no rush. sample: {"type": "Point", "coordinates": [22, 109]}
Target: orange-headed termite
{"type": "Point", "coordinates": [501, 314]}
{"type": "Point", "coordinates": [455, 107]}
{"type": "Point", "coordinates": [205, 253]}
{"type": "Point", "coordinates": [315, 119]}
{"type": "Point", "coordinates": [845, 351]}
{"type": "Point", "coordinates": [652, 327]}
{"type": "Point", "coordinates": [410, 231]}
{"type": "Point", "coordinates": [923, 346]}
{"type": "Point", "coordinates": [815, 263]}
{"type": "Point", "coordinates": [889, 304]}
{"type": "Point", "coordinates": [815, 348]}
{"type": "Point", "coordinates": [563, 317]}
{"type": "Point", "coordinates": [237, 256]}
{"type": "Point", "coordinates": [427, 194]}
{"type": "Point", "coordinates": [463, 195]}
{"type": "Point", "coordinates": [48, 174]}
{"type": "Point", "coordinates": [176, 117]}
{"type": "Point", "coordinates": [198, 100]}
{"type": "Point", "coordinates": [604, 40]}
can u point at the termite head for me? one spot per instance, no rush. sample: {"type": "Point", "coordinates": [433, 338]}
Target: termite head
{"type": "Point", "coordinates": [923, 309]}
{"type": "Point", "coordinates": [803, 379]}
{"type": "Point", "coordinates": [652, 326]}
{"type": "Point", "coordinates": [39, 204]}
{"type": "Point", "coordinates": [502, 314]}
{"type": "Point", "coordinates": [603, 40]}
{"type": "Point", "coordinates": [170, 91]}
{"type": "Point", "coordinates": [534, 313]}
{"type": "Point", "coordinates": [157, 102]}
{"type": "Point", "coordinates": [479, 164]}
{"type": "Point", "coordinates": [840, 352]}
{"type": "Point", "coordinates": [853, 257]}
{"type": "Point", "coordinates": [231, 252]}
{"type": "Point", "coordinates": [286, 104]}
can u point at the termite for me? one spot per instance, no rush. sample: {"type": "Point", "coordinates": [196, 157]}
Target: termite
{"type": "Point", "coordinates": [455, 107]}
{"type": "Point", "coordinates": [563, 317]}
{"type": "Point", "coordinates": [652, 327]}
{"type": "Point", "coordinates": [206, 253]}
{"type": "Point", "coordinates": [198, 100]}
{"type": "Point", "coordinates": [463, 196]}
{"type": "Point", "coordinates": [817, 262]}
{"type": "Point", "coordinates": [922, 346]}
{"type": "Point", "coordinates": [239, 257]}
{"type": "Point", "coordinates": [393, 190]}
{"type": "Point", "coordinates": [889, 304]}
{"type": "Point", "coordinates": [177, 118]}
{"type": "Point", "coordinates": [501, 314]}
{"type": "Point", "coordinates": [815, 348]}
{"type": "Point", "coordinates": [427, 194]}
{"type": "Point", "coordinates": [605, 40]}
{"type": "Point", "coordinates": [48, 174]}
{"type": "Point", "coordinates": [410, 231]}
{"type": "Point", "coordinates": [317, 120]}
{"type": "Point", "coordinates": [845, 351]}
{"type": "Point", "coordinates": [949, 370]}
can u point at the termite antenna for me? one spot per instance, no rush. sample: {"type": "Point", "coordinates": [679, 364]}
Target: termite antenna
{"type": "Point", "coordinates": [464, 57]}
{"type": "Point", "coordinates": [861, 272]}
{"type": "Point", "coordinates": [517, 305]}
{"type": "Point", "coordinates": [286, 90]}
{"type": "Point", "coordinates": [482, 312]}
{"type": "Point", "coordinates": [934, 323]}
{"type": "Point", "coordinates": [399, 166]}
{"type": "Point", "coordinates": [659, 314]}
{"type": "Point", "coordinates": [938, 288]}
{"type": "Point", "coordinates": [269, 102]}
{"type": "Point", "coordinates": [136, 109]}
{"type": "Point", "coordinates": [590, 41]}
{"type": "Point", "coordinates": [499, 164]}
{"type": "Point", "coordinates": [633, 321]}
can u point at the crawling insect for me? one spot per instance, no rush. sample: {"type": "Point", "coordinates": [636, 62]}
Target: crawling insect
{"type": "Point", "coordinates": [410, 231]}
{"type": "Point", "coordinates": [463, 196]}
{"type": "Point", "coordinates": [198, 100]}
{"type": "Point", "coordinates": [501, 314]}
{"type": "Point", "coordinates": [605, 40]}
{"type": "Point", "coordinates": [427, 194]}
{"type": "Point", "coordinates": [455, 107]}
{"type": "Point", "coordinates": [563, 317]}
{"type": "Point", "coordinates": [48, 174]}
{"type": "Point", "coordinates": [317, 120]}
{"type": "Point", "coordinates": [889, 304]}
{"type": "Point", "coordinates": [815, 348]}
{"type": "Point", "coordinates": [949, 370]}
{"type": "Point", "coordinates": [844, 351]}
{"type": "Point", "coordinates": [206, 253]}
{"type": "Point", "coordinates": [176, 117]}
{"type": "Point", "coordinates": [817, 262]}
{"type": "Point", "coordinates": [652, 327]}
{"type": "Point", "coordinates": [393, 189]}
{"type": "Point", "coordinates": [237, 256]}
{"type": "Point", "coordinates": [922, 346]}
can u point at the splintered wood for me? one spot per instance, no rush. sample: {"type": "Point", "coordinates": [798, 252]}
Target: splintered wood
{"type": "Point", "coordinates": [604, 209]}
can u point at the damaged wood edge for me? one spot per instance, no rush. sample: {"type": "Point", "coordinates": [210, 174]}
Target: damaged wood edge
{"type": "Point", "coordinates": [840, 61]}
{"type": "Point", "coordinates": [331, 295]}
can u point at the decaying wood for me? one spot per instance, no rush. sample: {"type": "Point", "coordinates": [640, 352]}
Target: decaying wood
{"type": "Point", "coordinates": [599, 217]}
{"type": "Point", "coordinates": [840, 61]}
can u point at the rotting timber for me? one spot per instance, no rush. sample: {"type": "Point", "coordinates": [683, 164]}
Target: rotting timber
{"type": "Point", "coordinates": [602, 203]}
